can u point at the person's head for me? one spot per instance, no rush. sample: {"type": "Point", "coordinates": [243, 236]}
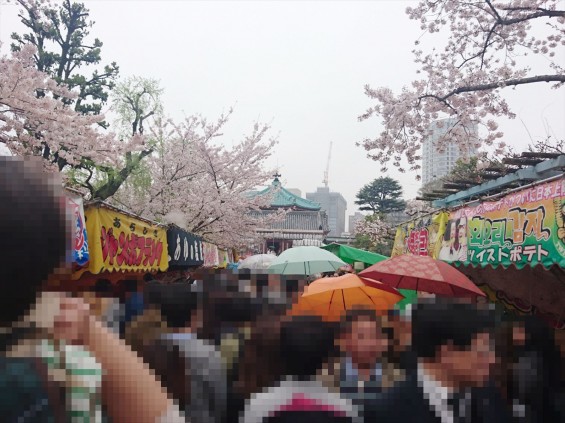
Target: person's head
{"type": "Point", "coordinates": [457, 338]}
{"type": "Point", "coordinates": [176, 302]}
{"type": "Point", "coordinates": [129, 286]}
{"type": "Point", "coordinates": [363, 337]}
{"type": "Point", "coordinates": [532, 333]}
{"type": "Point", "coordinates": [103, 288]}
{"type": "Point", "coordinates": [306, 343]}
{"type": "Point", "coordinates": [34, 234]}
{"type": "Point", "coordinates": [462, 228]}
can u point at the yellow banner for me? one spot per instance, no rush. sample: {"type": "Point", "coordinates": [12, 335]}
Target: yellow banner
{"type": "Point", "coordinates": [122, 243]}
{"type": "Point", "coordinates": [422, 236]}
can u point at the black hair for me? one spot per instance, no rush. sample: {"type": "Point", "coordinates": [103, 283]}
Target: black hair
{"type": "Point", "coordinates": [102, 287]}
{"type": "Point", "coordinates": [176, 301]}
{"type": "Point", "coordinates": [34, 234]}
{"type": "Point", "coordinates": [291, 286]}
{"type": "Point", "coordinates": [237, 308]}
{"type": "Point", "coordinates": [130, 285]}
{"type": "Point", "coordinates": [540, 338]}
{"type": "Point", "coordinates": [443, 322]}
{"type": "Point", "coordinates": [306, 342]}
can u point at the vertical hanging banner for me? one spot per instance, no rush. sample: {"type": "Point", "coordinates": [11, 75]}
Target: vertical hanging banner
{"type": "Point", "coordinates": [421, 236]}
{"type": "Point", "coordinates": [184, 249]}
{"type": "Point", "coordinates": [119, 242]}
{"type": "Point", "coordinates": [80, 238]}
{"type": "Point", "coordinates": [523, 228]}
{"type": "Point", "coordinates": [211, 255]}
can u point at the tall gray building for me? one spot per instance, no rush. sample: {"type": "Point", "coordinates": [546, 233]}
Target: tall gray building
{"type": "Point", "coordinates": [335, 206]}
{"type": "Point", "coordinates": [353, 219]}
{"type": "Point", "coordinates": [436, 164]}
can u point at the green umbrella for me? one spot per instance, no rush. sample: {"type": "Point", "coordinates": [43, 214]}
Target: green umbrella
{"type": "Point", "coordinates": [305, 261]}
{"type": "Point", "coordinates": [410, 297]}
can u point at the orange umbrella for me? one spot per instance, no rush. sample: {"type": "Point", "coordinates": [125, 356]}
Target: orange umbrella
{"type": "Point", "coordinates": [422, 273]}
{"type": "Point", "coordinates": [331, 297]}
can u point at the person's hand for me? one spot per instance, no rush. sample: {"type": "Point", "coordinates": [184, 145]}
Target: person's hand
{"type": "Point", "coordinates": [72, 321]}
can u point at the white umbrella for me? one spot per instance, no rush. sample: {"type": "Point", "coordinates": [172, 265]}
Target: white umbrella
{"type": "Point", "coordinates": [305, 261]}
{"type": "Point", "coordinates": [257, 262]}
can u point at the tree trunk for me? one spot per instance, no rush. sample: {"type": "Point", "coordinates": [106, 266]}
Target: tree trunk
{"type": "Point", "coordinates": [115, 181]}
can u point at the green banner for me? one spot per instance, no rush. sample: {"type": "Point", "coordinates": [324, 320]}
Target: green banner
{"type": "Point", "coordinates": [523, 228]}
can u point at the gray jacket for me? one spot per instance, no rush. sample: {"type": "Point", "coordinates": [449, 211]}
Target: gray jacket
{"type": "Point", "coordinates": [207, 378]}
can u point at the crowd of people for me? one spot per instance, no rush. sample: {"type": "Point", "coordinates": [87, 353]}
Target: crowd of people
{"type": "Point", "coordinates": [226, 346]}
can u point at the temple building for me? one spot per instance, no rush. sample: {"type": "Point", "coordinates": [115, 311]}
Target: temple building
{"type": "Point", "coordinates": [304, 223]}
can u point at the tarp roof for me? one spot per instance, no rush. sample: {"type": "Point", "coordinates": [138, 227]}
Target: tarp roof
{"type": "Point", "coordinates": [351, 255]}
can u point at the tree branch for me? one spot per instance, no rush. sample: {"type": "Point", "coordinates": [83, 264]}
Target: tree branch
{"type": "Point", "coordinates": [495, 85]}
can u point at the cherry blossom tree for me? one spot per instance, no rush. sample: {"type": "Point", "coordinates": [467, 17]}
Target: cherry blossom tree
{"type": "Point", "coordinates": [201, 185]}
{"type": "Point", "coordinates": [487, 52]}
{"type": "Point", "coordinates": [373, 229]}
{"type": "Point", "coordinates": [44, 125]}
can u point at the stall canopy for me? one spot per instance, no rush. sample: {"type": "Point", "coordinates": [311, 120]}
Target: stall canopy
{"type": "Point", "coordinates": [185, 248]}
{"type": "Point", "coordinates": [352, 255]}
{"type": "Point", "coordinates": [512, 245]}
{"type": "Point", "coordinates": [120, 241]}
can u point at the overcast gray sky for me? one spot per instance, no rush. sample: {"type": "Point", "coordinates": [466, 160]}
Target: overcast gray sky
{"type": "Point", "coordinates": [300, 66]}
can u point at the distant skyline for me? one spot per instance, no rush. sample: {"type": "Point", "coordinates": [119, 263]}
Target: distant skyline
{"type": "Point", "coordinates": [300, 66]}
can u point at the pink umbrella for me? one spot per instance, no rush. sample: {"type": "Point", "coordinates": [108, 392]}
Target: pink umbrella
{"type": "Point", "coordinates": [422, 273]}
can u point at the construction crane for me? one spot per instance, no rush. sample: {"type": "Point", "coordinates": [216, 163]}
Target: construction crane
{"type": "Point", "coordinates": [326, 173]}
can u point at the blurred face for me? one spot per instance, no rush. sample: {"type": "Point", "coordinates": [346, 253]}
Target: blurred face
{"type": "Point", "coordinates": [365, 344]}
{"type": "Point", "coordinates": [519, 335]}
{"type": "Point", "coordinates": [470, 366]}
{"type": "Point", "coordinates": [462, 228]}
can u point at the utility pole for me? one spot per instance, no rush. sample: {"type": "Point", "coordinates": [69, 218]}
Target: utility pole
{"type": "Point", "coordinates": [326, 173]}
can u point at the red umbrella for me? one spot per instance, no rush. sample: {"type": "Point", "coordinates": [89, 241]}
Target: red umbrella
{"type": "Point", "coordinates": [422, 273]}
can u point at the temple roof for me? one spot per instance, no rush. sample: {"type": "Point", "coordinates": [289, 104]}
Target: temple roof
{"type": "Point", "coordinates": [283, 198]}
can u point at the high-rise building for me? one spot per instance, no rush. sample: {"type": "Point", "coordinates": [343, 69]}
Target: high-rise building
{"type": "Point", "coordinates": [335, 206]}
{"type": "Point", "coordinates": [436, 163]}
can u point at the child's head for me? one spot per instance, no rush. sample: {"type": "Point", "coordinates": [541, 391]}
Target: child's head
{"type": "Point", "coordinates": [363, 338]}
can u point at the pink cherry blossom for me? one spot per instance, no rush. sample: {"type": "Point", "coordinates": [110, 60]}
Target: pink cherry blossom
{"type": "Point", "coordinates": [200, 184]}
{"type": "Point", "coordinates": [487, 51]}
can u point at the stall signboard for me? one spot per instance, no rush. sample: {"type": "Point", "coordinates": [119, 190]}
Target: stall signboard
{"type": "Point", "coordinates": [421, 236]}
{"type": "Point", "coordinates": [119, 242]}
{"type": "Point", "coordinates": [79, 235]}
{"type": "Point", "coordinates": [211, 255]}
{"type": "Point", "coordinates": [526, 227]}
{"type": "Point", "coordinates": [185, 249]}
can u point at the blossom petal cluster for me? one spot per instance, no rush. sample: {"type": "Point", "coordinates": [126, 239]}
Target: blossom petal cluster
{"type": "Point", "coordinates": [375, 228]}
{"type": "Point", "coordinates": [202, 185]}
{"type": "Point", "coordinates": [487, 49]}
{"type": "Point", "coordinates": [35, 121]}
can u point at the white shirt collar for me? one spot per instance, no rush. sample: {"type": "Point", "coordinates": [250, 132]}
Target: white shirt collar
{"type": "Point", "coordinates": [436, 395]}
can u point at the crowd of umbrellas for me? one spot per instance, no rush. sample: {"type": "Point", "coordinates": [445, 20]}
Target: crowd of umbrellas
{"type": "Point", "coordinates": [376, 287]}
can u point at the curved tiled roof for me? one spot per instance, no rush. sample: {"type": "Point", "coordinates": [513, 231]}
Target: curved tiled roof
{"type": "Point", "coordinates": [283, 198]}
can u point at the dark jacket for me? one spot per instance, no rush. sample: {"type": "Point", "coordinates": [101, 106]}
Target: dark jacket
{"type": "Point", "coordinates": [406, 403]}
